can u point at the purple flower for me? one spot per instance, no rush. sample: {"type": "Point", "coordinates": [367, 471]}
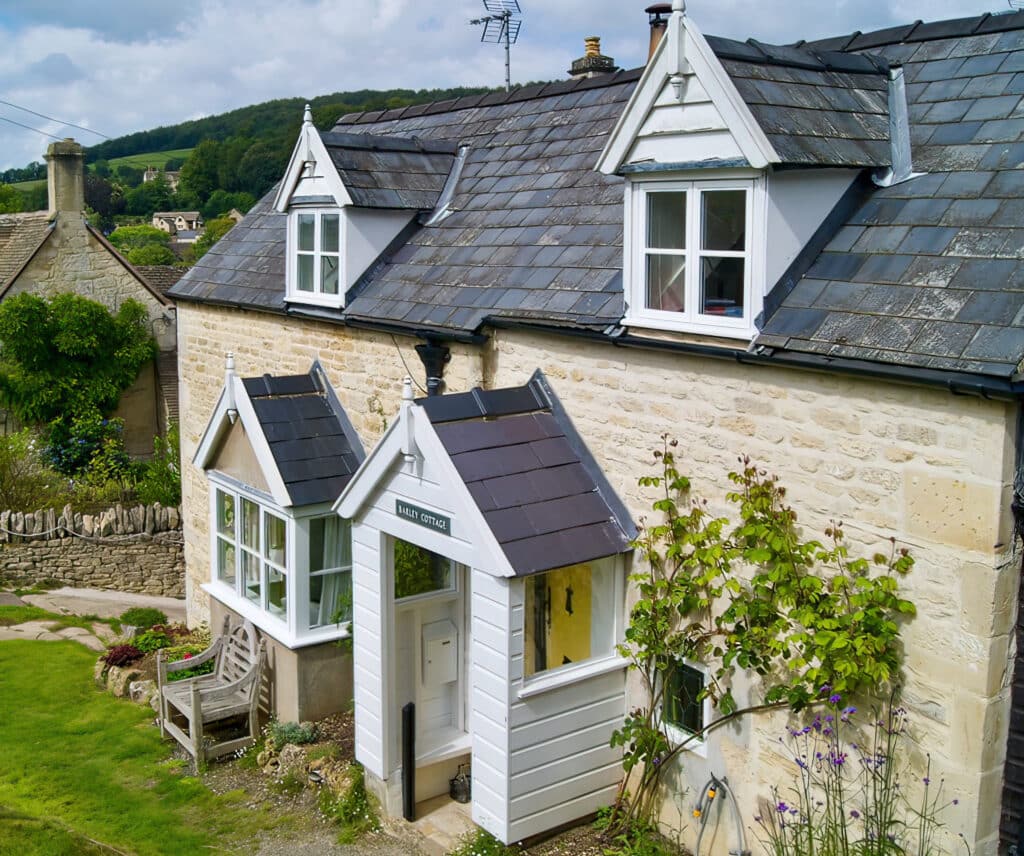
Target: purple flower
{"type": "Point", "coordinates": [956, 802]}
{"type": "Point", "coordinates": [926, 780]}
{"type": "Point", "coordinates": [782, 808]}
{"type": "Point", "coordinates": [835, 698]}
{"type": "Point", "coordinates": [854, 814]}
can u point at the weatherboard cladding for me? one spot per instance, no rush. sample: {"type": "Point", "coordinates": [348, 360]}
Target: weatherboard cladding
{"type": "Point", "coordinates": [535, 233]}
{"type": "Point", "coordinates": [306, 437]}
{"type": "Point", "coordinates": [929, 272]}
{"type": "Point", "coordinates": [533, 487]}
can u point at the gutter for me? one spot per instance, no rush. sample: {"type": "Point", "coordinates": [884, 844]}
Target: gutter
{"type": "Point", "coordinates": [955, 383]}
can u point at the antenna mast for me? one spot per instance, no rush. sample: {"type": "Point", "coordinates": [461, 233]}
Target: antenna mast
{"type": "Point", "coordinates": [500, 27]}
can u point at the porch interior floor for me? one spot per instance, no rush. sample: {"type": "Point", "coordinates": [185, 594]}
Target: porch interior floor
{"type": "Point", "coordinates": [442, 822]}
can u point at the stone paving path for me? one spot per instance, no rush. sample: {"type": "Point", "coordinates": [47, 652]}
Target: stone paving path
{"type": "Point", "coordinates": [72, 601]}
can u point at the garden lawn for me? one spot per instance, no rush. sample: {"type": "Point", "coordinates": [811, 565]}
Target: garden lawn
{"type": "Point", "coordinates": [84, 773]}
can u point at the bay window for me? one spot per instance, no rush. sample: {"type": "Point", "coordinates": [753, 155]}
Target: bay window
{"type": "Point", "coordinates": [692, 256]}
{"type": "Point", "coordinates": [266, 559]}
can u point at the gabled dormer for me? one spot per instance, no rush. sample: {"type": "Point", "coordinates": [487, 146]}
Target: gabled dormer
{"type": "Point", "coordinates": [348, 196]}
{"type": "Point", "coordinates": [734, 154]}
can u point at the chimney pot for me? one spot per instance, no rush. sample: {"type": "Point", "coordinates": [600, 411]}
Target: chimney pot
{"type": "Point", "coordinates": [65, 174]}
{"type": "Point", "coordinates": [593, 62]}
{"type": "Point", "coordinates": [658, 19]}
{"type": "Point", "coordinates": [592, 46]}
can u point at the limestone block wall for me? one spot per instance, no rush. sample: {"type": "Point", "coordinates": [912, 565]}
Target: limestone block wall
{"type": "Point", "coordinates": [931, 469]}
{"type": "Point", "coordinates": [136, 549]}
{"type": "Point", "coordinates": [365, 368]}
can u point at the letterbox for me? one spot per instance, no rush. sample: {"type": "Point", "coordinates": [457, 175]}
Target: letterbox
{"type": "Point", "coordinates": [440, 653]}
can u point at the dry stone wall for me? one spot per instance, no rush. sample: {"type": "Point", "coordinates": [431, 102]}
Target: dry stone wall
{"type": "Point", "coordinates": [135, 549]}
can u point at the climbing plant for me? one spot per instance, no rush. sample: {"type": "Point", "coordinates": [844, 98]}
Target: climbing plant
{"type": "Point", "coordinates": [750, 596]}
{"type": "Point", "coordinates": [64, 362]}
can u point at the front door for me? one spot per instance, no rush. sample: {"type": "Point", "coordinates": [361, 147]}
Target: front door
{"type": "Point", "coordinates": [430, 646]}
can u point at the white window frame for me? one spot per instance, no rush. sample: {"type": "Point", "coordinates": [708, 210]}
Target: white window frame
{"type": "Point", "coordinates": [291, 629]}
{"type": "Point", "coordinates": [679, 734]}
{"type": "Point", "coordinates": [635, 251]}
{"type": "Point", "coordinates": [317, 296]}
{"type": "Point", "coordinates": [598, 664]}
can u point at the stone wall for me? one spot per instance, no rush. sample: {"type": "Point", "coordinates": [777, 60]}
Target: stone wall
{"type": "Point", "coordinates": [929, 468]}
{"type": "Point", "coordinates": [136, 549]}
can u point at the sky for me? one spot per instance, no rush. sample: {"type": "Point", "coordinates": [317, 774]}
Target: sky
{"type": "Point", "coordinates": [118, 66]}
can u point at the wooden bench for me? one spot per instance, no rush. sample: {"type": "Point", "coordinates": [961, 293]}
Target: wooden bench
{"type": "Point", "coordinates": [231, 690]}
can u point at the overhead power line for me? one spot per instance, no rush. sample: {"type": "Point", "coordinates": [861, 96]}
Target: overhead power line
{"type": "Point", "coordinates": [54, 119]}
{"type": "Point", "coordinates": [29, 128]}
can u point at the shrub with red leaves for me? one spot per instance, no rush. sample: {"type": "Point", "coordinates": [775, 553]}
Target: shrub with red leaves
{"type": "Point", "coordinates": [122, 655]}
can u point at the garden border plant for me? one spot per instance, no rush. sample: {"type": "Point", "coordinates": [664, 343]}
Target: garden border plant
{"type": "Point", "coordinates": [753, 597]}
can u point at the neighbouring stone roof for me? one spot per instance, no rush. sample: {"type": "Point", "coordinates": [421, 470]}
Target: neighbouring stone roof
{"type": "Point", "coordinates": [161, 277]}
{"type": "Point", "coordinates": [928, 273]}
{"type": "Point", "coordinates": [536, 484]}
{"type": "Point", "coordinates": [20, 236]}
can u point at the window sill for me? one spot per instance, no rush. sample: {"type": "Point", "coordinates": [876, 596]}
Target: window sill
{"type": "Point", "coordinates": [332, 302]}
{"type": "Point", "coordinates": [270, 625]}
{"type": "Point", "coordinates": [698, 747]}
{"type": "Point", "coordinates": [568, 675]}
{"type": "Point", "coordinates": [666, 322]}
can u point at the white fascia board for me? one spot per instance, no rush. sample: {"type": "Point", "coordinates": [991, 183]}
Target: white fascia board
{"type": "Point", "coordinates": [220, 424]}
{"type": "Point", "coordinates": [310, 146]}
{"type": "Point", "coordinates": [752, 141]}
{"type": "Point", "coordinates": [683, 44]}
{"type": "Point", "coordinates": [639, 106]}
{"type": "Point", "coordinates": [216, 428]}
{"type": "Point", "coordinates": [375, 470]}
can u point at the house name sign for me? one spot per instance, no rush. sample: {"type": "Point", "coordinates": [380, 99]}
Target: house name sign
{"type": "Point", "coordinates": [423, 517]}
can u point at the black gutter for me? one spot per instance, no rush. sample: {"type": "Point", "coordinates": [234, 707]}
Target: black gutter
{"type": "Point", "coordinates": [957, 383]}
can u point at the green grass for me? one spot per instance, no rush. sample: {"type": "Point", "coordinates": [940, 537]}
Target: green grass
{"type": "Point", "coordinates": [29, 185]}
{"type": "Point", "coordinates": [83, 772]}
{"type": "Point", "coordinates": [20, 614]}
{"type": "Point", "coordinates": [154, 159]}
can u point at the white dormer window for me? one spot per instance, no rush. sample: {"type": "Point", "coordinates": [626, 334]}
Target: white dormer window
{"type": "Point", "coordinates": [693, 257]}
{"type": "Point", "coordinates": [314, 258]}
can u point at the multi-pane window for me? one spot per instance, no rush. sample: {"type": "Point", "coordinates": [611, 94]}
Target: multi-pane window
{"type": "Point", "coordinates": [693, 253]}
{"type": "Point", "coordinates": [317, 256]}
{"type": "Point", "coordinates": [252, 558]}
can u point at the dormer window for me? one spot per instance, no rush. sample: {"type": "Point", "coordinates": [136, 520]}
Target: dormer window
{"type": "Point", "coordinates": [315, 257]}
{"type": "Point", "coordinates": [692, 264]}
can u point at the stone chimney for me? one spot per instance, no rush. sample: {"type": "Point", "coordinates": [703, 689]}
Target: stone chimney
{"type": "Point", "coordinates": [657, 16]}
{"type": "Point", "coordinates": [66, 176]}
{"type": "Point", "coordinates": [593, 62]}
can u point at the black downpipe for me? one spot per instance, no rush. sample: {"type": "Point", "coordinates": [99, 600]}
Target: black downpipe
{"type": "Point", "coordinates": [409, 762]}
{"type": "Point", "coordinates": [434, 357]}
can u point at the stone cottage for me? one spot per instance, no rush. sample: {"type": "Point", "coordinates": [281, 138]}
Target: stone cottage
{"type": "Point", "coordinates": [55, 251]}
{"type": "Point", "coordinates": [810, 254]}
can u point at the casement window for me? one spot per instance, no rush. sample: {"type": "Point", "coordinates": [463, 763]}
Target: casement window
{"type": "Point", "coordinates": [290, 575]}
{"type": "Point", "coordinates": [569, 616]}
{"type": "Point", "coordinates": [419, 571]}
{"type": "Point", "coordinates": [314, 256]}
{"type": "Point", "coordinates": [693, 259]}
{"type": "Point", "coordinates": [683, 712]}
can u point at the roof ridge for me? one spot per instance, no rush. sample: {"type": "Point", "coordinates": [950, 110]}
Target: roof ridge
{"type": "Point", "coordinates": [531, 92]}
{"type": "Point", "coordinates": [920, 31]}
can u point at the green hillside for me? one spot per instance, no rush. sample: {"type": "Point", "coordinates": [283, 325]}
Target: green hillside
{"type": "Point", "coordinates": [147, 159]}
{"type": "Point", "coordinates": [29, 185]}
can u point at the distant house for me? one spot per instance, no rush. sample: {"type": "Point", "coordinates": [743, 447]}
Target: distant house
{"type": "Point", "coordinates": [176, 222]}
{"type": "Point", "coordinates": [172, 177]}
{"type": "Point", "coordinates": [56, 251]}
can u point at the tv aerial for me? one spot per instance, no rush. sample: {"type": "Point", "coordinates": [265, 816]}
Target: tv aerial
{"type": "Point", "coordinates": [500, 27]}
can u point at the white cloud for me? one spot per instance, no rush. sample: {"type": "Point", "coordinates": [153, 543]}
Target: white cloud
{"type": "Point", "coordinates": [124, 66]}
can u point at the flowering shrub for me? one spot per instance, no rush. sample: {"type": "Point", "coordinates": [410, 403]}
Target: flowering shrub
{"type": "Point", "coordinates": [122, 655]}
{"type": "Point", "coordinates": [152, 640]}
{"type": "Point", "coordinates": [187, 652]}
{"type": "Point", "coordinates": [849, 799]}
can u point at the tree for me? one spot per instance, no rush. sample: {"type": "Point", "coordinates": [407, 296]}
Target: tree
{"type": "Point", "coordinates": [261, 166]}
{"type": "Point", "coordinates": [751, 597]}
{"type": "Point", "coordinates": [128, 176]}
{"type": "Point", "coordinates": [68, 357]}
{"type": "Point", "coordinates": [221, 202]}
{"type": "Point", "coordinates": [11, 201]}
{"type": "Point", "coordinates": [149, 196]}
{"type": "Point", "coordinates": [128, 238]}
{"type": "Point", "coordinates": [199, 172]}
{"type": "Point", "coordinates": [215, 230]}
{"type": "Point", "coordinates": [151, 254]}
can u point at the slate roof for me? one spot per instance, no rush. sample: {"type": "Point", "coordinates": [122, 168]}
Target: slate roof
{"type": "Point", "coordinates": [817, 108]}
{"type": "Point", "coordinates": [310, 438]}
{"type": "Point", "coordinates": [391, 172]}
{"type": "Point", "coordinates": [929, 273]}
{"type": "Point", "coordinates": [538, 487]}
{"type": "Point", "coordinates": [925, 274]}
{"type": "Point", "coordinates": [20, 236]}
